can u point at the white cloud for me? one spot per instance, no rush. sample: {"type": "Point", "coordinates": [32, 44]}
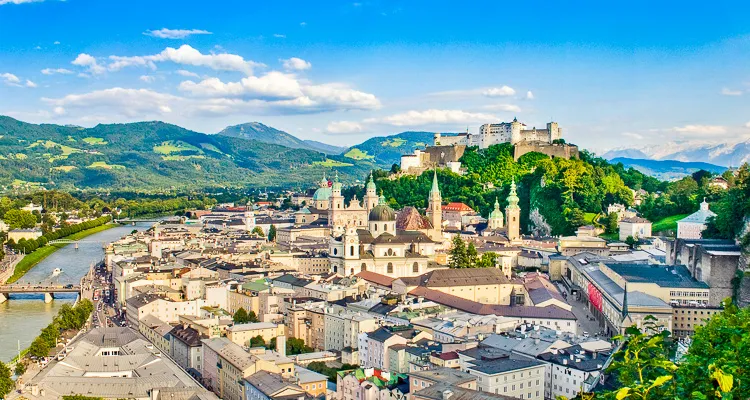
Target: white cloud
{"type": "Point", "coordinates": [10, 79]}
{"type": "Point", "coordinates": [502, 91]}
{"type": "Point", "coordinates": [285, 90]}
{"type": "Point", "coordinates": [52, 71]}
{"type": "Point", "coordinates": [30, 84]}
{"type": "Point", "coordinates": [340, 127]}
{"type": "Point", "coordinates": [633, 135]}
{"type": "Point", "coordinates": [165, 33]}
{"type": "Point", "coordinates": [4, 2]}
{"type": "Point", "coordinates": [38, 48]}
{"type": "Point", "coordinates": [279, 35]}
{"type": "Point", "coordinates": [295, 64]}
{"type": "Point", "coordinates": [730, 92]}
{"type": "Point", "coordinates": [499, 91]}
{"type": "Point", "coordinates": [700, 130]}
{"type": "Point", "coordinates": [503, 107]}
{"type": "Point", "coordinates": [130, 103]}
{"type": "Point", "coordinates": [529, 95]}
{"type": "Point", "coordinates": [90, 62]}
{"type": "Point", "coordinates": [433, 117]}
{"type": "Point", "coordinates": [186, 73]}
{"type": "Point", "coordinates": [186, 55]}
{"type": "Point", "coordinates": [56, 42]}
{"type": "Point", "coordinates": [147, 78]}
{"type": "Point", "coordinates": [303, 24]}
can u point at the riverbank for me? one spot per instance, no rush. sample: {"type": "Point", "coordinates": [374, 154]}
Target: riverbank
{"type": "Point", "coordinates": [31, 260]}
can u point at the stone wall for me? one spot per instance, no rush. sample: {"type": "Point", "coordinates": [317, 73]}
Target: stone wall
{"type": "Point", "coordinates": [566, 151]}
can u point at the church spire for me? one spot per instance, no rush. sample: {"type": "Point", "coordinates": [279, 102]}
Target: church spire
{"type": "Point", "coordinates": [625, 302]}
{"type": "Point", "coordinates": [512, 196]}
{"type": "Point", "coordinates": [435, 191]}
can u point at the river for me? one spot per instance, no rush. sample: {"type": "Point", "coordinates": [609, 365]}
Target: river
{"type": "Point", "coordinates": [22, 317]}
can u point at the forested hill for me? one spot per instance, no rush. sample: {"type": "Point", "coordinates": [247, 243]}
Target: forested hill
{"type": "Point", "coordinates": [387, 150]}
{"type": "Point", "coordinates": [267, 134]}
{"type": "Point", "coordinates": [153, 156]}
{"type": "Point", "coordinates": [567, 193]}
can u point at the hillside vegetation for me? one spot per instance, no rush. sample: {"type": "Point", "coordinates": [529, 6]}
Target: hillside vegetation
{"type": "Point", "coordinates": [154, 156]}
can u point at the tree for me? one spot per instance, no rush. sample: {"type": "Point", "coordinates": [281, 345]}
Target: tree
{"type": "Point", "coordinates": [471, 255]}
{"type": "Point", "coordinates": [20, 368]}
{"type": "Point", "coordinates": [642, 366]}
{"type": "Point", "coordinates": [39, 348]}
{"type": "Point", "coordinates": [611, 222]}
{"type": "Point", "coordinates": [272, 233]}
{"type": "Point", "coordinates": [721, 347]}
{"type": "Point", "coordinates": [297, 346]}
{"type": "Point", "coordinates": [457, 255]}
{"type": "Point", "coordinates": [258, 231]}
{"type": "Point", "coordinates": [240, 316]}
{"type": "Point", "coordinates": [257, 341]}
{"type": "Point", "coordinates": [6, 383]}
{"type": "Point", "coordinates": [19, 219]}
{"type": "Point", "coordinates": [632, 242]}
{"type": "Point", "coordinates": [488, 260]}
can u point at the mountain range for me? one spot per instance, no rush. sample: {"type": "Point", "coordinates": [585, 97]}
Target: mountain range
{"type": "Point", "coordinates": [727, 154]}
{"type": "Point", "coordinates": [667, 169]}
{"type": "Point", "coordinates": [160, 156]}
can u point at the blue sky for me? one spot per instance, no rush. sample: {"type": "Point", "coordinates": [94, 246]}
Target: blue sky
{"type": "Point", "coordinates": [339, 72]}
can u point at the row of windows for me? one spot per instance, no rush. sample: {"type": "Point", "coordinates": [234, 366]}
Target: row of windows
{"type": "Point", "coordinates": [677, 293]}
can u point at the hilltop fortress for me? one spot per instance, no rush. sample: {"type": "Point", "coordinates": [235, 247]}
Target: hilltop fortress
{"type": "Point", "coordinates": [447, 150]}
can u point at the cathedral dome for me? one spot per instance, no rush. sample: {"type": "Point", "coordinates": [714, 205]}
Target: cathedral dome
{"type": "Point", "coordinates": [323, 193]}
{"type": "Point", "coordinates": [382, 212]}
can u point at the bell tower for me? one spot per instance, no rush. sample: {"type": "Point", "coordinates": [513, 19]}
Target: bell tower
{"type": "Point", "coordinates": [435, 205]}
{"type": "Point", "coordinates": [371, 195]}
{"type": "Point", "coordinates": [513, 214]}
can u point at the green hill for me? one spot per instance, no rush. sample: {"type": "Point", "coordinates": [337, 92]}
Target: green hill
{"type": "Point", "coordinates": [267, 134]}
{"type": "Point", "coordinates": [387, 150]}
{"type": "Point", "coordinates": [153, 156]}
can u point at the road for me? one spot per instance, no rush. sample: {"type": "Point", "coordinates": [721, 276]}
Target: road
{"type": "Point", "coordinates": [105, 313]}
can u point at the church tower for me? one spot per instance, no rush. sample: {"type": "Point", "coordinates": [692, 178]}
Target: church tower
{"type": "Point", "coordinates": [371, 195]}
{"type": "Point", "coordinates": [336, 206]}
{"type": "Point", "coordinates": [435, 205]}
{"type": "Point", "coordinates": [513, 214]}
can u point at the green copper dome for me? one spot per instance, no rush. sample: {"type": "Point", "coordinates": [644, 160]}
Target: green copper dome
{"type": "Point", "coordinates": [496, 213]}
{"type": "Point", "coordinates": [512, 196]}
{"type": "Point", "coordinates": [323, 193]}
{"type": "Point", "coordinates": [382, 212]}
{"type": "Point", "coordinates": [371, 183]}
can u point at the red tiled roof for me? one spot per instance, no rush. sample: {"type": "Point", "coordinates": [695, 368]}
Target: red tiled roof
{"type": "Point", "coordinates": [455, 206]}
{"type": "Point", "coordinates": [377, 279]}
{"type": "Point", "coordinates": [451, 355]}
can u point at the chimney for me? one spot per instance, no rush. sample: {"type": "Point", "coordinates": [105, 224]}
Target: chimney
{"type": "Point", "coordinates": [447, 394]}
{"type": "Point", "coordinates": [281, 345]}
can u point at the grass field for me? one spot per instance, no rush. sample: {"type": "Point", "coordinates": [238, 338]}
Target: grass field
{"type": "Point", "coordinates": [668, 223]}
{"type": "Point", "coordinates": [210, 147]}
{"type": "Point", "coordinates": [357, 154]}
{"type": "Point", "coordinates": [397, 142]}
{"type": "Point", "coordinates": [95, 140]}
{"type": "Point", "coordinates": [30, 260]}
{"type": "Point", "coordinates": [104, 165]}
{"type": "Point", "coordinates": [64, 168]}
{"type": "Point", "coordinates": [332, 163]}
{"type": "Point", "coordinates": [589, 217]}
{"type": "Point", "coordinates": [170, 147]}
{"type": "Point", "coordinates": [180, 158]}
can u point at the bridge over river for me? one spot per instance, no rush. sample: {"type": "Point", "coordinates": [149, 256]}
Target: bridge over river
{"type": "Point", "coordinates": [47, 289]}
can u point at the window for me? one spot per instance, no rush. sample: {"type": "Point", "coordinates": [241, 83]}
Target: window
{"type": "Point", "coordinates": [351, 250]}
{"type": "Point", "coordinates": [376, 227]}
{"type": "Point", "coordinates": [364, 267]}
{"type": "Point", "coordinates": [390, 268]}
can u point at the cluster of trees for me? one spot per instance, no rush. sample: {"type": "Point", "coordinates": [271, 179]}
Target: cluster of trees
{"type": "Point", "coordinates": [321, 368]}
{"type": "Point", "coordinates": [6, 382]}
{"type": "Point", "coordinates": [715, 366]}
{"type": "Point", "coordinates": [462, 256]}
{"type": "Point", "coordinates": [29, 246]}
{"type": "Point", "coordinates": [561, 190]}
{"type": "Point", "coordinates": [242, 316]}
{"type": "Point", "coordinates": [68, 318]}
{"type": "Point", "coordinates": [293, 346]}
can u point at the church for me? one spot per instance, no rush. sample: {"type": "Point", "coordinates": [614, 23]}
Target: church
{"type": "Point", "coordinates": [510, 228]}
{"type": "Point", "coordinates": [380, 246]}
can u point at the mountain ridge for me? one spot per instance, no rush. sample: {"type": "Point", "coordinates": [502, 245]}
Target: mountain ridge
{"type": "Point", "coordinates": [726, 154]}
{"type": "Point", "coordinates": [267, 134]}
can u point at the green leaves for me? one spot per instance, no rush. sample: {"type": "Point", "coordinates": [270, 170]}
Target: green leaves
{"type": "Point", "coordinates": [623, 393]}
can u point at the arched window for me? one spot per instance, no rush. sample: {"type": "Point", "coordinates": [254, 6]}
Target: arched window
{"type": "Point", "coordinates": [415, 267]}
{"type": "Point", "coordinates": [389, 252]}
{"type": "Point", "coordinates": [351, 250]}
{"type": "Point", "coordinates": [335, 269]}
{"type": "Point", "coordinates": [363, 267]}
{"type": "Point", "coordinates": [351, 271]}
{"type": "Point", "coordinates": [390, 268]}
